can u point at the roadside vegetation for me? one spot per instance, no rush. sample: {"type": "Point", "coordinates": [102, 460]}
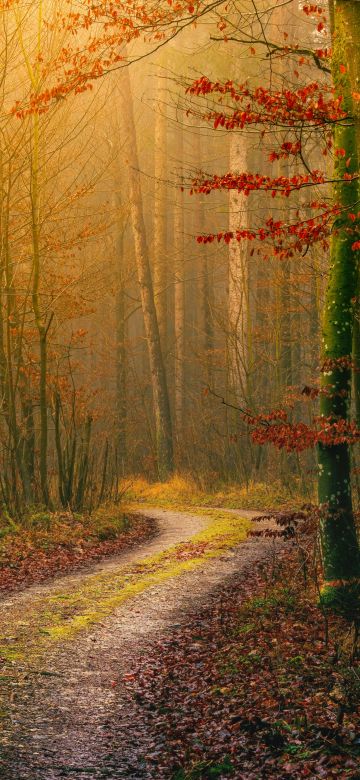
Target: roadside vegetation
{"type": "Point", "coordinates": [186, 492]}
{"type": "Point", "coordinates": [46, 544]}
{"type": "Point", "coordinates": [279, 687]}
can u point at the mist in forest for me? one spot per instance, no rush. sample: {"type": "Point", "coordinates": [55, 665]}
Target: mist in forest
{"type": "Point", "coordinates": [179, 389]}
{"type": "Point", "coordinates": [126, 346]}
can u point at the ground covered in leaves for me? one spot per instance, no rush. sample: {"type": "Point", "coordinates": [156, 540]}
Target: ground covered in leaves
{"type": "Point", "coordinates": [249, 688]}
{"type": "Point", "coordinates": [46, 544]}
{"type": "Point", "coordinates": [221, 672]}
{"type": "Point", "coordinates": [68, 646]}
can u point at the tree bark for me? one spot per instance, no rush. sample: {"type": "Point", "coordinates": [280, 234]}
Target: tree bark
{"type": "Point", "coordinates": [179, 301]}
{"type": "Point", "coordinates": [238, 296]}
{"type": "Point", "coordinates": [163, 427]}
{"type": "Point", "coordinates": [160, 270]}
{"type": "Point", "coordinates": [120, 346]}
{"type": "Point", "coordinates": [340, 547]}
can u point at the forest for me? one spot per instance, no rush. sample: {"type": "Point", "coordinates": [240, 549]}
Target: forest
{"type": "Point", "coordinates": [179, 389]}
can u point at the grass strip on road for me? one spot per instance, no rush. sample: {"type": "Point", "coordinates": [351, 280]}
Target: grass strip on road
{"type": "Point", "coordinates": [61, 613]}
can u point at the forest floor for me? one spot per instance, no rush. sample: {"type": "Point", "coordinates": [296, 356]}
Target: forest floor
{"type": "Point", "coordinates": [185, 658]}
{"type": "Point", "coordinates": [48, 544]}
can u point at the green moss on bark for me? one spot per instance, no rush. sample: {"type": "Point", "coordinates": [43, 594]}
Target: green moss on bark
{"type": "Point", "coordinates": [342, 598]}
{"type": "Point", "coordinates": [340, 548]}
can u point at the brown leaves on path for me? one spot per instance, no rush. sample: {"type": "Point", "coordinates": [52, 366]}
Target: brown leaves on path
{"type": "Point", "coordinates": [245, 688]}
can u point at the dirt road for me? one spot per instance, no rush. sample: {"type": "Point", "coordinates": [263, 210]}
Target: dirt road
{"type": "Point", "coordinates": [70, 715]}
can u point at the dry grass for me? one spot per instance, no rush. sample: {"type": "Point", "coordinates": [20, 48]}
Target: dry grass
{"type": "Point", "coordinates": [182, 492]}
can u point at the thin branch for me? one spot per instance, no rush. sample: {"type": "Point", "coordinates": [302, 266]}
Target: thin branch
{"type": "Point", "coordinates": [275, 48]}
{"type": "Point", "coordinates": [232, 406]}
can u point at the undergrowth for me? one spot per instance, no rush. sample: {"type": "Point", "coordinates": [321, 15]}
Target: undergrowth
{"type": "Point", "coordinates": [47, 543]}
{"type": "Point", "coordinates": [43, 529]}
{"type": "Point", "coordinates": [183, 492]}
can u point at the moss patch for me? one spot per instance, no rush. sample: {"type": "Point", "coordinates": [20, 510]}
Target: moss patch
{"type": "Point", "coordinates": [342, 598]}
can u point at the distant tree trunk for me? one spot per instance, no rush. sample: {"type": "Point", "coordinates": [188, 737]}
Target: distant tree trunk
{"type": "Point", "coordinates": [179, 300]}
{"type": "Point", "coordinates": [120, 326]}
{"type": "Point", "coordinates": [205, 328]}
{"type": "Point", "coordinates": [160, 270]}
{"type": "Point", "coordinates": [286, 21]}
{"type": "Point", "coordinates": [163, 428]}
{"type": "Point", "coordinates": [238, 296]}
{"type": "Point", "coordinates": [285, 334]}
{"type": "Point", "coordinates": [340, 547]}
{"type": "Point", "coordinates": [40, 319]}
{"type": "Point", "coordinates": [120, 377]}
{"type": "Point", "coordinates": [238, 458]}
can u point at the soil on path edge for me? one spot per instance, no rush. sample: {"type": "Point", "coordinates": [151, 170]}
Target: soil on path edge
{"type": "Point", "coordinates": [76, 718]}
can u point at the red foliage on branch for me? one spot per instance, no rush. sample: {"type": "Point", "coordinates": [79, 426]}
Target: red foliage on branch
{"type": "Point", "coordinates": [287, 149]}
{"type": "Point", "coordinates": [248, 182]}
{"type": "Point", "coordinates": [277, 430]}
{"type": "Point", "coordinates": [99, 34]}
{"type": "Point", "coordinates": [285, 240]}
{"type": "Point", "coordinates": [289, 108]}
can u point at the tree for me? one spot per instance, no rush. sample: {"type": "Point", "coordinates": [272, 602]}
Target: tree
{"type": "Point", "coordinates": [160, 266]}
{"type": "Point", "coordinates": [339, 538]}
{"type": "Point", "coordinates": [179, 300]}
{"type": "Point", "coordinates": [46, 253]}
{"type": "Point", "coordinates": [163, 427]}
{"type": "Point", "coordinates": [312, 108]}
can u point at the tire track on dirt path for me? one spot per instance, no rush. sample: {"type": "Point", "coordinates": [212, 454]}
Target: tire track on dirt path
{"type": "Point", "coordinates": [75, 718]}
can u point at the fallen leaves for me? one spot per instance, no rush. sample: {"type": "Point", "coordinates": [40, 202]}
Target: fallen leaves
{"type": "Point", "coordinates": [247, 685]}
{"type": "Point", "coordinates": [69, 542]}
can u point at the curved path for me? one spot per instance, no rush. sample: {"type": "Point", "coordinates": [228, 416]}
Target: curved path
{"type": "Point", "coordinates": [74, 718]}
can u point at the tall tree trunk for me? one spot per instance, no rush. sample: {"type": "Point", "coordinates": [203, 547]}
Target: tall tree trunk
{"type": "Point", "coordinates": [238, 333]}
{"type": "Point", "coordinates": [163, 427]}
{"type": "Point", "coordinates": [285, 333]}
{"type": "Point", "coordinates": [238, 296]}
{"type": "Point", "coordinates": [340, 545]}
{"type": "Point", "coordinates": [39, 318]}
{"type": "Point", "coordinates": [356, 360]}
{"type": "Point", "coordinates": [41, 325]}
{"type": "Point", "coordinates": [160, 270]}
{"type": "Point", "coordinates": [285, 17]}
{"type": "Point", "coordinates": [206, 336]}
{"type": "Point", "coordinates": [179, 301]}
{"type": "Point", "coordinates": [120, 350]}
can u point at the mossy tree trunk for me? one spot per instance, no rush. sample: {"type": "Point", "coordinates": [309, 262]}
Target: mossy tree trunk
{"type": "Point", "coordinates": [356, 358]}
{"type": "Point", "coordinates": [340, 547]}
